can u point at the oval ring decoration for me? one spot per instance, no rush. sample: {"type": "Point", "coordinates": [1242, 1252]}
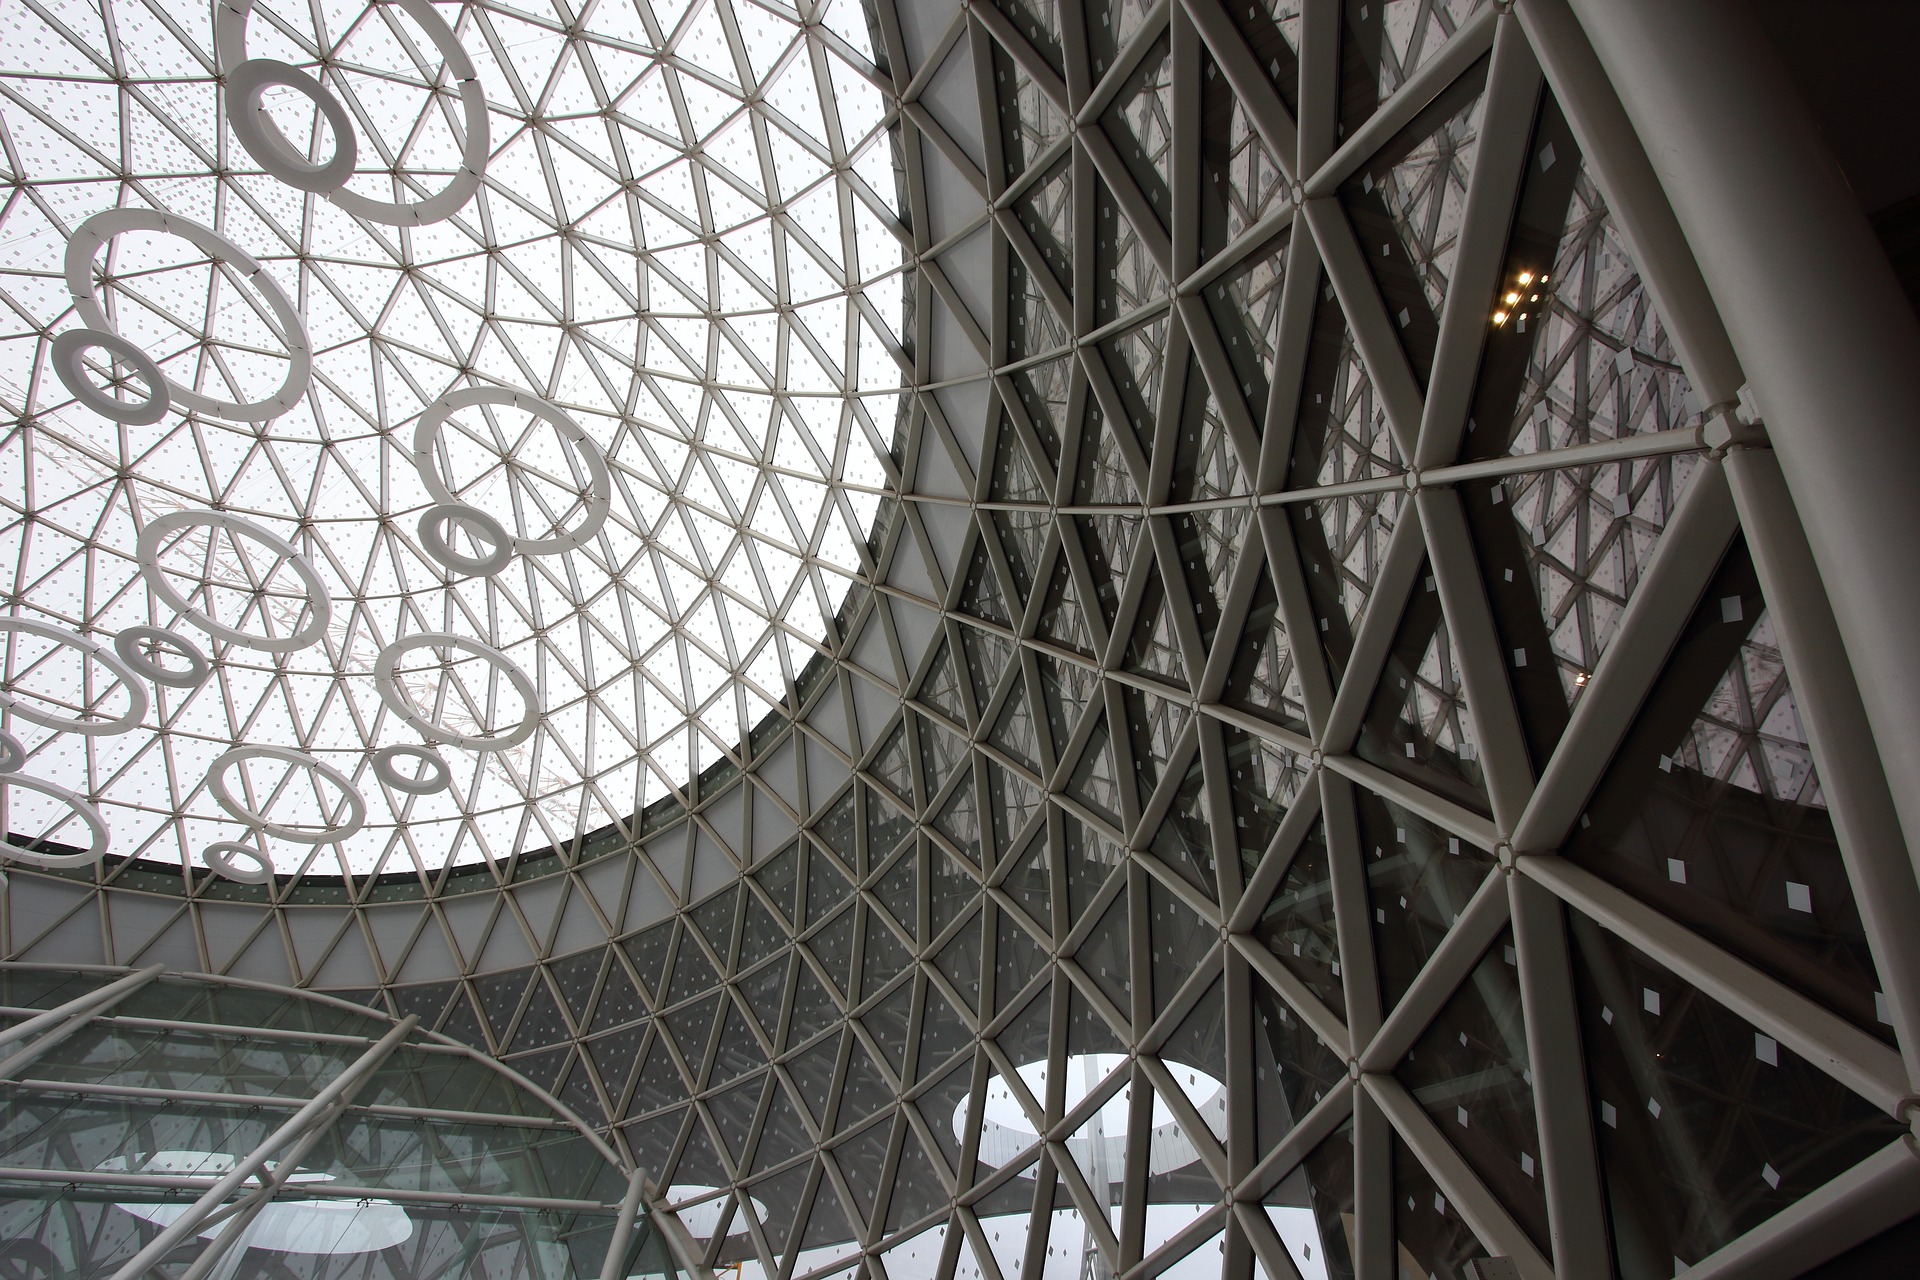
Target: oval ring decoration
{"type": "Point", "coordinates": [13, 753]}
{"type": "Point", "coordinates": [122, 673]}
{"type": "Point", "coordinates": [99, 839]}
{"type": "Point", "coordinates": [355, 803]}
{"type": "Point", "coordinates": [219, 858]}
{"type": "Point", "coordinates": [127, 645]}
{"type": "Point", "coordinates": [70, 346]}
{"type": "Point", "coordinates": [598, 496]}
{"type": "Point", "coordinates": [432, 774]}
{"type": "Point", "coordinates": [319, 602]}
{"type": "Point", "coordinates": [93, 235]}
{"type": "Point", "coordinates": [247, 116]}
{"type": "Point", "coordinates": [437, 521]}
{"type": "Point", "coordinates": [230, 45]}
{"type": "Point", "coordinates": [385, 680]}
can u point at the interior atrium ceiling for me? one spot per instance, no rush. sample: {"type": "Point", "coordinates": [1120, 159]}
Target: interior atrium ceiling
{"type": "Point", "coordinates": [1287, 745]}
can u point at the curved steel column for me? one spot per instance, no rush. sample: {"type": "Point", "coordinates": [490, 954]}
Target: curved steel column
{"type": "Point", "coordinates": [1830, 345]}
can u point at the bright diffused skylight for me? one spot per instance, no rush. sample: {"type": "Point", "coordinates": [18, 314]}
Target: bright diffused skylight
{"type": "Point", "coordinates": [683, 238]}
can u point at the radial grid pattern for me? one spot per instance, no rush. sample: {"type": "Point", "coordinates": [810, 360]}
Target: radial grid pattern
{"type": "Point", "coordinates": [1314, 784]}
{"type": "Point", "coordinates": [685, 235]}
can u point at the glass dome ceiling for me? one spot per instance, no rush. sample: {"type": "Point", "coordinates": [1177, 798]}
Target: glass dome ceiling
{"type": "Point", "coordinates": [683, 241]}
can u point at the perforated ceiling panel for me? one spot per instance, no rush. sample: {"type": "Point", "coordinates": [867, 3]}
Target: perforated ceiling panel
{"type": "Point", "coordinates": [1309, 779]}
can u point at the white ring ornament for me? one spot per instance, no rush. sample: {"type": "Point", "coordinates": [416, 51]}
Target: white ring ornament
{"type": "Point", "coordinates": [434, 523]}
{"type": "Point", "coordinates": [122, 673]}
{"type": "Point", "coordinates": [127, 645]}
{"type": "Point", "coordinates": [350, 795]}
{"type": "Point", "coordinates": [599, 494]}
{"type": "Point", "coordinates": [65, 356]}
{"type": "Point", "coordinates": [13, 753]}
{"type": "Point", "coordinates": [95, 233]}
{"type": "Point", "coordinates": [385, 680]}
{"type": "Point", "coordinates": [219, 858]}
{"type": "Point", "coordinates": [432, 775]}
{"type": "Point", "coordinates": [247, 84]}
{"type": "Point", "coordinates": [98, 841]}
{"type": "Point", "coordinates": [319, 602]}
{"type": "Point", "coordinates": [230, 46]}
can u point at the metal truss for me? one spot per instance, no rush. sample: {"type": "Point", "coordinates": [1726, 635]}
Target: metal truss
{"type": "Point", "coordinates": [1336, 632]}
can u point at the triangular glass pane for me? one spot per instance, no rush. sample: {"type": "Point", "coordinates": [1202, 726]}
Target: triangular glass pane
{"type": "Point", "coordinates": [760, 933]}
{"type": "Point", "coordinates": [1264, 780]}
{"type": "Point", "coordinates": [861, 1159]}
{"type": "Point", "coordinates": [952, 887]}
{"type": "Point", "coordinates": [942, 1105]}
{"type": "Point", "coordinates": [499, 997]}
{"type": "Point", "coordinates": [1063, 620]}
{"type": "Point", "coordinates": [1013, 799]}
{"type": "Point", "coordinates": [1013, 478]}
{"type": "Point", "coordinates": [1264, 678]}
{"type": "Point", "coordinates": [1029, 120]}
{"type": "Point", "coordinates": [1013, 730]}
{"type": "Point", "coordinates": [699, 1164]}
{"type": "Point", "coordinates": [1017, 958]}
{"type": "Point", "coordinates": [1419, 880]}
{"type": "Point", "coordinates": [989, 654]}
{"type": "Point", "coordinates": [1271, 29]}
{"type": "Point", "coordinates": [1045, 210]}
{"type": "Point", "coordinates": [1154, 729]}
{"type": "Point", "coordinates": [765, 990]}
{"type": "Point", "coordinates": [892, 765]}
{"type": "Point", "coordinates": [1034, 327]}
{"type": "Point", "coordinates": [918, 1254]}
{"type": "Point", "coordinates": [715, 920]}
{"type": "Point", "coordinates": [1105, 954]}
{"type": "Point", "coordinates": [1184, 842]}
{"type": "Point", "coordinates": [576, 975]}
{"type": "Point", "coordinates": [1030, 881]}
{"type": "Point", "coordinates": [813, 1007]}
{"type": "Point", "coordinates": [780, 877]}
{"type": "Point", "coordinates": [959, 821]}
{"type": "Point", "coordinates": [658, 1082]}
{"type": "Point", "coordinates": [981, 594]}
{"type": "Point", "coordinates": [1088, 859]}
{"type": "Point", "coordinates": [1099, 1145]}
{"type": "Point", "coordinates": [1025, 1038]}
{"type": "Point", "coordinates": [1382, 45]}
{"type": "Point", "coordinates": [915, 1193]}
{"type": "Point", "coordinates": [1298, 923]}
{"type": "Point", "coordinates": [1108, 541]}
{"type": "Point", "coordinates": [738, 1050]}
{"type": "Point", "coordinates": [812, 1071]}
{"type": "Point", "coordinates": [898, 889]}
{"type": "Point", "coordinates": [1713, 814]}
{"type": "Point", "coordinates": [777, 1202]}
{"type": "Point", "coordinates": [1140, 124]}
{"type": "Point", "coordinates": [1196, 1056]}
{"type": "Point", "coordinates": [832, 946]}
{"type": "Point", "coordinates": [886, 825]}
{"type": "Point", "coordinates": [1110, 25]}
{"type": "Point", "coordinates": [1206, 464]}
{"type": "Point", "coordinates": [1039, 22]}
{"type": "Point", "coordinates": [782, 1136]}
{"type": "Point", "coordinates": [692, 1028]}
{"type": "Point", "coordinates": [1324, 1190]}
{"type": "Point", "coordinates": [959, 962]}
{"type": "Point", "coordinates": [1043, 389]}
{"type": "Point", "coordinates": [1430, 1236]}
{"type": "Point", "coordinates": [1417, 725]}
{"type": "Point", "coordinates": [1095, 781]}
{"type": "Point", "coordinates": [835, 829]}
{"type": "Point", "coordinates": [1135, 358]}
{"type": "Point", "coordinates": [733, 1112]}
{"type": "Point", "coordinates": [1210, 541]}
{"type": "Point", "coordinates": [1180, 940]}
{"type": "Point", "coordinates": [827, 885]}
{"type": "Point", "coordinates": [614, 1057]}
{"type": "Point", "coordinates": [1293, 1069]}
{"type": "Point", "coordinates": [866, 1091]}
{"type": "Point", "coordinates": [1672, 1074]}
{"type": "Point", "coordinates": [1406, 204]}
{"type": "Point", "coordinates": [1088, 1031]}
{"type": "Point", "coordinates": [1245, 304]}
{"type": "Point", "coordinates": [941, 687]}
{"type": "Point", "coordinates": [1023, 538]}
{"type": "Point", "coordinates": [1101, 477]}
{"type": "Point", "coordinates": [1241, 182]}
{"type": "Point", "coordinates": [940, 751]}
{"type": "Point", "coordinates": [1065, 690]}
{"type": "Point", "coordinates": [1153, 649]}
{"type": "Point", "coordinates": [1470, 1070]}
{"type": "Point", "coordinates": [883, 956]}
{"type": "Point", "coordinates": [944, 1031]}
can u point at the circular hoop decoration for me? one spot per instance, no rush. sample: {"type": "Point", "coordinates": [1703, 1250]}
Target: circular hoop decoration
{"type": "Point", "coordinates": [122, 674]}
{"type": "Point", "coordinates": [13, 753]}
{"type": "Point", "coordinates": [350, 796]}
{"type": "Point", "coordinates": [247, 85]}
{"type": "Point", "coordinates": [432, 774]}
{"type": "Point", "coordinates": [437, 521]}
{"type": "Point", "coordinates": [127, 645]}
{"type": "Point", "coordinates": [219, 858]}
{"type": "Point", "coordinates": [98, 839]}
{"type": "Point", "coordinates": [68, 347]}
{"type": "Point", "coordinates": [598, 496]}
{"type": "Point", "coordinates": [396, 698]}
{"type": "Point", "coordinates": [319, 602]}
{"type": "Point", "coordinates": [94, 234]}
{"type": "Point", "coordinates": [230, 44]}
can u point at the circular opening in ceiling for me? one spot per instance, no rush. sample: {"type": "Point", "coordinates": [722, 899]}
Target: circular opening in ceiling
{"type": "Point", "coordinates": [1007, 1131]}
